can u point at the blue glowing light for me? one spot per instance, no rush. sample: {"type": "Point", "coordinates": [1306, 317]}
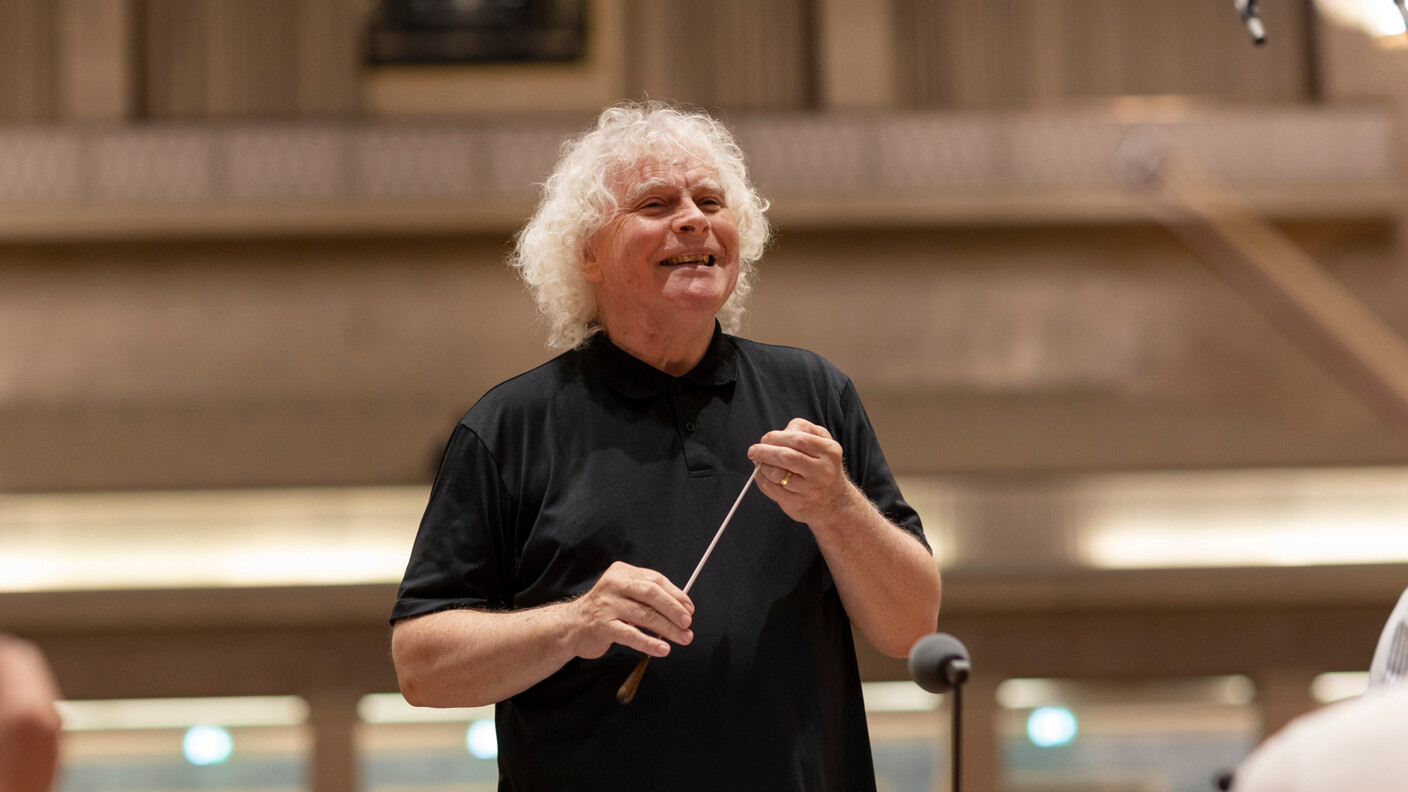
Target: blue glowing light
{"type": "Point", "coordinates": [1051, 726]}
{"type": "Point", "coordinates": [207, 745]}
{"type": "Point", "coordinates": [482, 740]}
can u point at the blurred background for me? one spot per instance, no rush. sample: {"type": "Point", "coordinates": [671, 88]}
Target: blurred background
{"type": "Point", "coordinates": [251, 273]}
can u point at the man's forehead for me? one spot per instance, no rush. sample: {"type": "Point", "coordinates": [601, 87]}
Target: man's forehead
{"type": "Point", "coordinates": [646, 175]}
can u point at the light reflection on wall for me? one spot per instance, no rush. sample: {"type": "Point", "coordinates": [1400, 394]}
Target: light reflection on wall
{"type": "Point", "coordinates": [1166, 734]}
{"type": "Point", "coordinates": [178, 745]}
{"type": "Point", "coordinates": [361, 535]}
{"type": "Point", "coordinates": [1244, 518]}
{"type": "Point", "coordinates": [105, 541]}
{"type": "Point", "coordinates": [1339, 685]}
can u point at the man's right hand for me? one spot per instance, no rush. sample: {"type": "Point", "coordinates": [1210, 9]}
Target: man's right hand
{"type": "Point", "coordinates": [625, 602]}
{"type": "Point", "coordinates": [466, 658]}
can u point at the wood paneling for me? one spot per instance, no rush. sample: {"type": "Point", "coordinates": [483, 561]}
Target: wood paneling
{"type": "Point", "coordinates": [251, 58]}
{"type": "Point", "coordinates": [173, 40]}
{"type": "Point", "coordinates": [731, 54]}
{"type": "Point", "coordinates": [27, 57]}
{"type": "Point", "coordinates": [1003, 53]}
{"type": "Point", "coordinates": [95, 72]}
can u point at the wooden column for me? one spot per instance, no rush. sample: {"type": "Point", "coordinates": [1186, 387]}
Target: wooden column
{"type": "Point", "coordinates": [95, 74]}
{"type": "Point", "coordinates": [332, 714]}
{"type": "Point", "coordinates": [982, 753]}
{"type": "Point", "coordinates": [856, 51]}
{"type": "Point", "coordinates": [1282, 695]}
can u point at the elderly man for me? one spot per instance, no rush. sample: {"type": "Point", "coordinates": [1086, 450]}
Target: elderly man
{"type": "Point", "coordinates": [574, 500]}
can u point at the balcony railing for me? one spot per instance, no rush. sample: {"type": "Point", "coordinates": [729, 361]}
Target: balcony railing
{"type": "Point", "coordinates": [479, 176]}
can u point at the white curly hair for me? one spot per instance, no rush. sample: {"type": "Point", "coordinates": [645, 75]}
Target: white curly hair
{"type": "Point", "coordinates": [577, 200]}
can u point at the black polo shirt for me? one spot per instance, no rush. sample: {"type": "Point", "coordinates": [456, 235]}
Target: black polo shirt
{"type": "Point", "coordinates": [596, 457]}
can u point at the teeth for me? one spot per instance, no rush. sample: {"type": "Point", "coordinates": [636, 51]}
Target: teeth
{"type": "Point", "coordinates": [699, 258]}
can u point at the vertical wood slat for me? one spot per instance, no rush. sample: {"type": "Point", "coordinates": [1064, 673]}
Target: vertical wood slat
{"type": "Point", "coordinates": [252, 58]}
{"type": "Point", "coordinates": [95, 76]}
{"type": "Point", "coordinates": [1000, 53]}
{"type": "Point", "coordinates": [329, 65]}
{"type": "Point", "coordinates": [729, 54]}
{"type": "Point", "coordinates": [649, 49]}
{"type": "Point", "coordinates": [27, 61]}
{"type": "Point", "coordinates": [174, 47]}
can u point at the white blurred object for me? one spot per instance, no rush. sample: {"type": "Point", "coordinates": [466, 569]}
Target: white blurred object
{"type": "Point", "coordinates": [1247, 10]}
{"type": "Point", "coordinates": [1355, 746]}
{"type": "Point", "coordinates": [1378, 18]}
{"type": "Point", "coordinates": [174, 713]}
{"type": "Point", "coordinates": [1336, 686]}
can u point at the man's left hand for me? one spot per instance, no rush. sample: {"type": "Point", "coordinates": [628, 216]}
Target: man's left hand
{"type": "Point", "coordinates": [808, 460]}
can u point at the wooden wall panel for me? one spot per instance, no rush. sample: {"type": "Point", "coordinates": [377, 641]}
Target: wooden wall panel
{"type": "Point", "coordinates": [1005, 53]}
{"type": "Point", "coordinates": [95, 74]}
{"type": "Point", "coordinates": [173, 41]}
{"type": "Point", "coordinates": [329, 66]}
{"type": "Point", "coordinates": [27, 56]}
{"type": "Point", "coordinates": [251, 58]}
{"type": "Point", "coordinates": [731, 54]}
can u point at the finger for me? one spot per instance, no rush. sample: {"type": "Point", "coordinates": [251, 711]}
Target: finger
{"type": "Point", "coordinates": [655, 602]}
{"type": "Point", "coordinates": [783, 460]}
{"type": "Point", "coordinates": [676, 603]}
{"type": "Point", "coordinates": [644, 617]}
{"type": "Point", "coordinates": [629, 636]}
{"type": "Point", "coordinates": [778, 474]}
{"type": "Point", "coordinates": [807, 427]}
{"type": "Point", "coordinates": [624, 575]}
{"type": "Point", "coordinates": [663, 585]}
{"type": "Point", "coordinates": [808, 443]}
{"type": "Point", "coordinates": [775, 489]}
{"type": "Point", "coordinates": [639, 614]}
{"type": "Point", "coordinates": [621, 602]}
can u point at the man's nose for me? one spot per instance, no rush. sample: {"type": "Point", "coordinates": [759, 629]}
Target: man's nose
{"type": "Point", "coordinates": [690, 219]}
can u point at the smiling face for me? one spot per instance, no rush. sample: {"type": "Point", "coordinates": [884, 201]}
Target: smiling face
{"type": "Point", "coordinates": [668, 259]}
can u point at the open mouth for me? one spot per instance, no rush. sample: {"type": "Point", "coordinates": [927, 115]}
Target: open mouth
{"type": "Point", "coordinates": [695, 258]}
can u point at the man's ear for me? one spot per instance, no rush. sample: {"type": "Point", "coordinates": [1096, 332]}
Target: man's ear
{"type": "Point", "coordinates": [589, 263]}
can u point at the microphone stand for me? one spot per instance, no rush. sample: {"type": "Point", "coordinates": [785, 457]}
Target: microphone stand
{"type": "Point", "coordinates": [956, 759]}
{"type": "Point", "coordinates": [939, 663]}
{"type": "Point", "coordinates": [956, 671]}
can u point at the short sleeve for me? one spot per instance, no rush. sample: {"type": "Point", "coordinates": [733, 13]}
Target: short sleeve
{"type": "Point", "coordinates": [461, 557]}
{"type": "Point", "coordinates": [866, 464]}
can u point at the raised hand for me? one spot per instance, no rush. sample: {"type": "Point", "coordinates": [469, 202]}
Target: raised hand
{"type": "Point", "coordinates": [801, 469]}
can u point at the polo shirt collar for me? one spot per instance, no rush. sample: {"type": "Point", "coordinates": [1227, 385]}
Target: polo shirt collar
{"type": "Point", "coordinates": [636, 379]}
